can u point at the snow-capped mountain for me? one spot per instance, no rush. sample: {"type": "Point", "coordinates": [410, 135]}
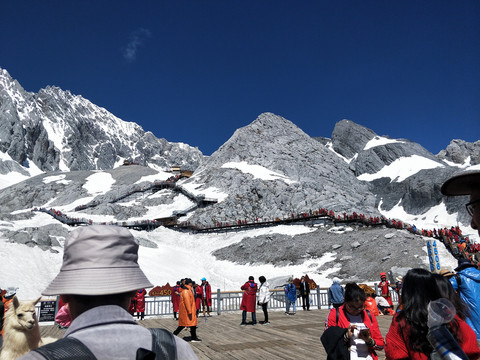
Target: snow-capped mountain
{"type": "Point", "coordinates": [59, 151]}
{"type": "Point", "coordinates": [55, 130]}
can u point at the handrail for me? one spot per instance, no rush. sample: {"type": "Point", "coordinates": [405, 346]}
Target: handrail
{"type": "Point", "coordinates": [229, 301]}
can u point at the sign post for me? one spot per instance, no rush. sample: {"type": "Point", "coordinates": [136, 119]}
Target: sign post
{"type": "Point", "coordinates": [433, 256]}
{"type": "Point", "coordinates": [47, 310]}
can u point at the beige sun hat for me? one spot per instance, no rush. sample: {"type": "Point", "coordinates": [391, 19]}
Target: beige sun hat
{"type": "Point", "coordinates": [446, 272]}
{"type": "Point", "coordinates": [99, 260]}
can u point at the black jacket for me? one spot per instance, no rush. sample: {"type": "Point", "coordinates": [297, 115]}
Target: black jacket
{"type": "Point", "coordinates": [302, 291]}
{"type": "Point", "coordinates": [332, 340]}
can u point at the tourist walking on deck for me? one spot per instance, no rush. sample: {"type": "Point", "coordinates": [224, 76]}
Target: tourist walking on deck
{"type": "Point", "coordinates": [197, 294]}
{"type": "Point", "coordinates": [263, 298]}
{"type": "Point", "coordinates": [140, 303]}
{"type": "Point", "coordinates": [176, 299]}
{"type": "Point", "coordinates": [350, 330]}
{"type": "Point", "coordinates": [305, 293]}
{"type": "Point", "coordinates": [336, 294]}
{"type": "Point", "coordinates": [384, 286]}
{"type": "Point", "coordinates": [206, 296]}
{"type": "Point", "coordinates": [187, 314]}
{"type": "Point", "coordinates": [290, 297]}
{"type": "Point", "coordinates": [249, 300]}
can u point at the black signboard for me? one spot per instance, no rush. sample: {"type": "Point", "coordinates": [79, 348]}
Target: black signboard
{"type": "Point", "coordinates": [47, 311]}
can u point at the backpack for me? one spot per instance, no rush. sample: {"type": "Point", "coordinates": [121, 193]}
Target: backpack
{"type": "Point", "coordinates": [69, 348]}
{"type": "Point", "coordinates": [459, 280]}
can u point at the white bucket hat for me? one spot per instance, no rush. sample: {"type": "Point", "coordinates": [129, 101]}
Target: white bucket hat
{"type": "Point", "coordinates": [99, 260]}
{"type": "Point", "coordinates": [11, 291]}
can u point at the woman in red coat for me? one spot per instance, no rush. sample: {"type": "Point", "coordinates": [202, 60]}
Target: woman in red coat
{"type": "Point", "coordinates": [198, 296]}
{"type": "Point", "coordinates": [140, 303]}
{"type": "Point", "coordinates": [362, 333]}
{"type": "Point", "coordinates": [407, 336]}
{"type": "Point", "coordinates": [176, 299]}
{"type": "Point", "coordinates": [249, 300]}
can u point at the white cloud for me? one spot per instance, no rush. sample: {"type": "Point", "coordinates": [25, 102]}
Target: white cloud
{"type": "Point", "coordinates": [136, 39]}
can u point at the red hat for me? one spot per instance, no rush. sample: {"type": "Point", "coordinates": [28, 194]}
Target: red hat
{"type": "Point", "coordinates": [383, 274]}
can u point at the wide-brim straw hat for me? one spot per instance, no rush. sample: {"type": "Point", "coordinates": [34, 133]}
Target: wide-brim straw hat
{"type": "Point", "coordinates": [463, 182]}
{"type": "Point", "coordinates": [447, 273]}
{"type": "Point", "coordinates": [99, 260]}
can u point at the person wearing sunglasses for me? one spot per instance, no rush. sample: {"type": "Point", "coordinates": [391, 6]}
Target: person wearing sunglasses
{"type": "Point", "coordinates": [361, 334]}
{"type": "Point", "coordinates": [467, 280]}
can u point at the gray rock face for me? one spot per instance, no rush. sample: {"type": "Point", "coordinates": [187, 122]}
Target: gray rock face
{"type": "Point", "coordinates": [417, 193]}
{"type": "Point", "coordinates": [349, 138]}
{"type": "Point", "coordinates": [56, 130]}
{"type": "Point", "coordinates": [311, 176]}
{"type": "Point", "coordinates": [357, 255]}
{"type": "Point", "coordinates": [44, 237]}
{"type": "Point", "coordinates": [459, 151]}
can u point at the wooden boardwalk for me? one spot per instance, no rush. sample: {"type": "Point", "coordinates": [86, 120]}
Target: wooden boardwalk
{"type": "Point", "coordinates": [286, 337]}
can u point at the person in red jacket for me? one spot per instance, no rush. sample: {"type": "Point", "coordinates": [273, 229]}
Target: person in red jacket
{"type": "Point", "coordinates": [362, 334]}
{"type": "Point", "coordinates": [249, 300]}
{"type": "Point", "coordinates": [384, 286]}
{"type": "Point", "coordinates": [140, 303]}
{"type": "Point", "coordinates": [206, 296]}
{"type": "Point", "coordinates": [197, 292]}
{"type": "Point", "coordinates": [407, 335]}
{"type": "Point", "coordinates": [176, 299]}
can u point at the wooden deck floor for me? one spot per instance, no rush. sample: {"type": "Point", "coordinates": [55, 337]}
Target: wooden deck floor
{"type": "Point", "coordinates": [222, 336]}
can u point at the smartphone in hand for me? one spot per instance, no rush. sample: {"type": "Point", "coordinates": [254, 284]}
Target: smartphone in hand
{"type": "Point", "coordinates": [364, 333]}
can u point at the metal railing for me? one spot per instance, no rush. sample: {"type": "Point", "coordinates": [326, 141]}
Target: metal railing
{"type": "Point", "coordinates": [226, 301]}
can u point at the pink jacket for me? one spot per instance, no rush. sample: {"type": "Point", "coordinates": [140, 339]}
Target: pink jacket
{"type": "Point", "coordinates": [63, 317]}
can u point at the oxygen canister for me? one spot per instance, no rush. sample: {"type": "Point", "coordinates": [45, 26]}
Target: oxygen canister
{"type": "Point", "coordinates": [444, 345]}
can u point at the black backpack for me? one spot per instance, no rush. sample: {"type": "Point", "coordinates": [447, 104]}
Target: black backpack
{"type": "Point", "coordinates": [163, 347]}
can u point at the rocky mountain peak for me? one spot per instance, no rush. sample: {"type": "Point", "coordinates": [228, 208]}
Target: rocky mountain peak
{"type": "Point", "coordinates": [349, 138]}
{"type": "Point", "coordinates": [461, 152]}
{"type": "Point", "coordinates": [57, 130]}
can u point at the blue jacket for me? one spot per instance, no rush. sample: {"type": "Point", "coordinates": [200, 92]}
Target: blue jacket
{"type": "Point", "coordinates": [469, 289]}
{"type": "Point", "coordinates": [336, 294]}
{"type": "Point", "coordinates": [291, 292]}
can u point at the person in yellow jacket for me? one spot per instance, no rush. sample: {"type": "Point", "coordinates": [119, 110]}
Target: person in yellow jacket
{"type": "Point", "coordinates": [187, 312]}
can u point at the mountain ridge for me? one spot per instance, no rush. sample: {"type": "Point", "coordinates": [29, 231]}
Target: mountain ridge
{"type": "Point", "coordinates": [55, 130]}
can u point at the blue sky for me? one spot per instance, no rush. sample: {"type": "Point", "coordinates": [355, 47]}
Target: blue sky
{"type": "Point", "coordinates": [195, 71]}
